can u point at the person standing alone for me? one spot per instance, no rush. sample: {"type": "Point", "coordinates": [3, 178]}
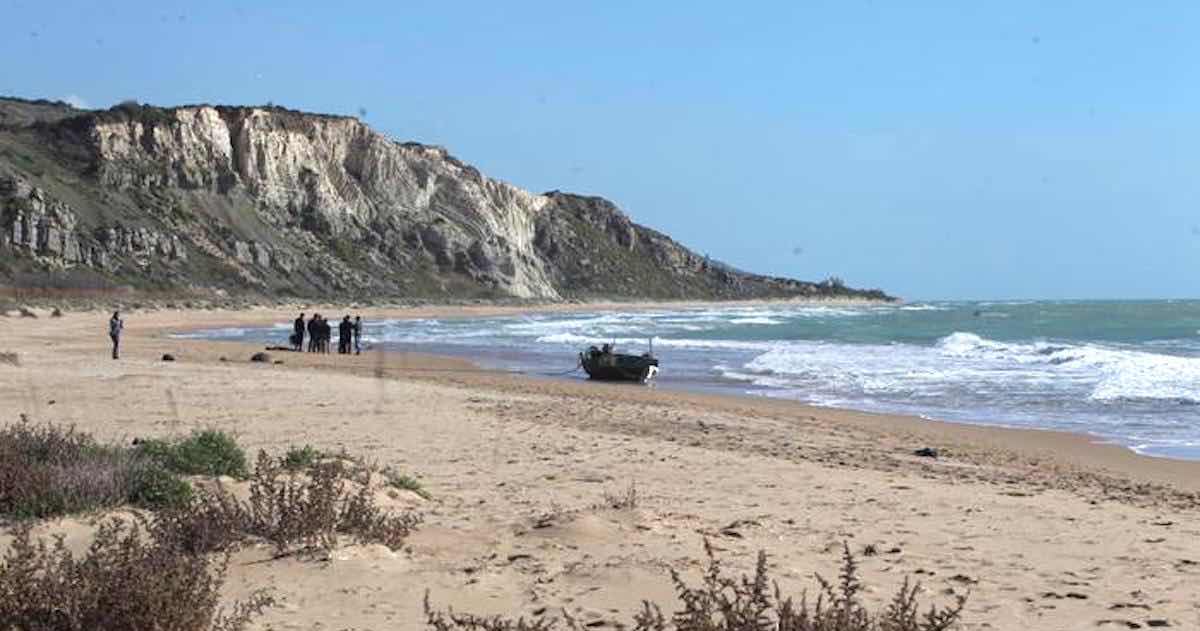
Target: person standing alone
{"type": "Point", "coordinates": [115, 326]}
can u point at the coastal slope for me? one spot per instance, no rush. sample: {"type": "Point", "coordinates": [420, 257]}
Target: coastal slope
{"type": "Point", "coordinates": [279, 203]}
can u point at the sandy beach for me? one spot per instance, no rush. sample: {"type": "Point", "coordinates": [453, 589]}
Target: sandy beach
{"type": "Point", "coordinates": [1045, 530]}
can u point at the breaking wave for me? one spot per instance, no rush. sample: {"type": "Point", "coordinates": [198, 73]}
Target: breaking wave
{"type": "Point", "coordinates": [967, 360]}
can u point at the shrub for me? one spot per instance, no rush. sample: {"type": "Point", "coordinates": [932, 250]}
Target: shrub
{"type": "Point", "coordinates": [125, 581]}
{"type": "Point", "coordinates": [311, 511]}
{"type": "Point", "coordinates": [293, 512]}
{"type": "Point", "coordinates": [153, 486]}
{"type": "Point", "coordinates": [212, 521]}
{"type": "Point", "coordinates": [722, 603]}
{"type": "Point", "coordinates": [208, 452]}
{"type": "Point", "coordinates": [298, 458]}
{"type": "Point", "coordinates": [48, 470]}
{"type": "Point", "coordinates": [450, 621]}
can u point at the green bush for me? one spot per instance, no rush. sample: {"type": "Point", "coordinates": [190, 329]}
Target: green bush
{"type": "Point", "coordinates": [298, 458]}
{"type": "Point", "coordinates": [207, 452]}
{"type": "Point", "coordinates": [154, 487]}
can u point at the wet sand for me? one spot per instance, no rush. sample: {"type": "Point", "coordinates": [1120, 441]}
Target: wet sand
{"type": "Point", "coordinates": [1044, 529]}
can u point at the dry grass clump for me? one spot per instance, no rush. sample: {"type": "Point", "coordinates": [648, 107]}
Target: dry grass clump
{"type": "Point", "coordinates": [724, 603]}
{"type": "Point", "coordinates": [621, 500]}
{"type": "Point", "coordinates": [294, 512]}
{"type": "Point", "coordinates": [48, 470]}
{"type": "Point", "coordinates": [126, 581]}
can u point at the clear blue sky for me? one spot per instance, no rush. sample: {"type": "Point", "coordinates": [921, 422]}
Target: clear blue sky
{"type": "Point", "coordinates": [937, 150]}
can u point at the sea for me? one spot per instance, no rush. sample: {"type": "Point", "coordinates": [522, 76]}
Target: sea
{"type": "Point", "coordinates": [1126, 372]}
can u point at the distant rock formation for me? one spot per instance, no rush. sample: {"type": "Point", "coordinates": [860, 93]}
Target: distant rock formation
{"type": "Point", "coordinates": [277, 202]}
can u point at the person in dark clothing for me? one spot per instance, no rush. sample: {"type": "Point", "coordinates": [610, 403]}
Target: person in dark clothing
{"type": "Point", "coordinates": [115, 326]}
{"type": "Point", "coordinates": [314, 333]}
{"type": "Point", "coordinates": [357, 335]}
{"type": "Point", "coordinates": [345, 332]}
{"type": "Point", "coordinates": [298, 334]}
{"type": "Point", "coordinates": [326, 335]}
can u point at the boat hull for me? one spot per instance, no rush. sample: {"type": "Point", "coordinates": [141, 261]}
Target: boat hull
{"type": "Point", "coordinates": [617, 367]}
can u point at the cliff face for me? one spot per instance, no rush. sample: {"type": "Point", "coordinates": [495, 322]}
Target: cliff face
{"type": "Point", "coordinates": [279, 202]}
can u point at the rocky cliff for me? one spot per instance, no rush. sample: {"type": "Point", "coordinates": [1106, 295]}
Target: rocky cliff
{"type": "Point", "coordinates": [274, 202]}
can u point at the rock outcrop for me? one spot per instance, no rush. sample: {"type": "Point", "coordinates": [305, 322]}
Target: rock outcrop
{"type": "Point", "coordinates": [275, 201]}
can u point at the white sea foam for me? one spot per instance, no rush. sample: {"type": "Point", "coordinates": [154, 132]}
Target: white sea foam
{"type": "Point", "coordinates": [212, 334]}
{"type": "Point", "coordinates": [574, 339]}
{"type": "Point", "coordinates": [755, 320]}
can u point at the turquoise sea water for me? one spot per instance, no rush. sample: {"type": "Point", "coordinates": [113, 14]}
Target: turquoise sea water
{"type": "Point", "coordinates": [1128, 372]}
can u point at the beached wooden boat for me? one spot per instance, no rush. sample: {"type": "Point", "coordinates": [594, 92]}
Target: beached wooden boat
{"type": "Point", "coordinates": [604, 364]}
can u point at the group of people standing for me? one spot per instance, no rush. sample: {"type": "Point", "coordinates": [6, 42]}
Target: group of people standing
{"type": "Point", "coordinates": [320, 332]}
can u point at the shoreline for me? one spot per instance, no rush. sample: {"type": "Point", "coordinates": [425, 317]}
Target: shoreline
{"type": "Point", "coordinates": [259, 318]}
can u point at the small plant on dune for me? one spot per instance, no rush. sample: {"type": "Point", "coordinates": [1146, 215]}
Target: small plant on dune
{"type": "Point", "coordinates": [298, 458]}
{"type": "Point", "coordinates": [126, 581]}
{"type": "Point", "coordinates": [312, 511]}
{"type": "Point", "coordinates": [750, 604]}
{"type": "Point", "coordinates": [755, 603]}
{"type": "Point", "coordinates": [622, 500]}
{"type": "Point", "coordinates": [289, 511]}
{"type": "Point", "coordinates": [293, 512]}
{"type": "Point", "coordinates": [448, 620]}
{"type": "Point", "coordinates": [363, 520]}
{"type": "Point", "coordinates": [208, 452]}
{"type": "Point", "coordinates": [212, 521]}
{"type": "Point", "coordinates": [404, 482]}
